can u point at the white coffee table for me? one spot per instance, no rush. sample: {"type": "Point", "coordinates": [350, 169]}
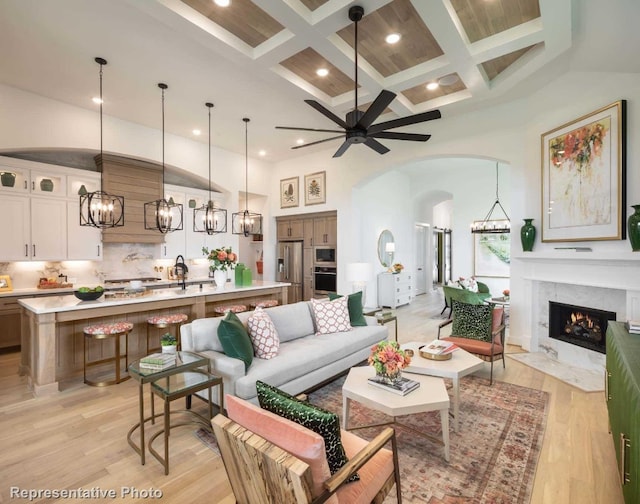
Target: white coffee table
{"type": "Point", "coordinates": [462, 363]}
{"type": "Point", "coordinates": [430, 396]}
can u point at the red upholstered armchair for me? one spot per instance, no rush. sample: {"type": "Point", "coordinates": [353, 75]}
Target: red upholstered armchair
{"type": "Point", "coordinates": [478, 329]}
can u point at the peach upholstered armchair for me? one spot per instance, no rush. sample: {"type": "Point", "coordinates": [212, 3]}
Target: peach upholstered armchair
{"type": "Point", "coordinates": [287, 464]}
{"type": "Point", "coordinates": [478, 329]}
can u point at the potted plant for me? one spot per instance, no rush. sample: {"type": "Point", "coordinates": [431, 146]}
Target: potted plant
{"type": "Point", "coordinates": [168, 343]}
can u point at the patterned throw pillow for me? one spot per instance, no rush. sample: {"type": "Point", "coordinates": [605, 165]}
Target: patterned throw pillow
{"type": "Point", "coordinates": [312, 417]}
{"type": "Point", "coordinates": [263, 334]}
{"type": "Point", "coordinates": [354, 303]}
{"type": "Point", "coordinates": [331, 316]}
{"type": "Point", "coordinates": [471, 321]}
{"type": "Point", "coordinates": [235, 340]}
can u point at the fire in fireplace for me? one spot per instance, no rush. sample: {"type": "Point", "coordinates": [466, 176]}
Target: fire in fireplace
{"type": "Point", "coordinates": [579, 325]}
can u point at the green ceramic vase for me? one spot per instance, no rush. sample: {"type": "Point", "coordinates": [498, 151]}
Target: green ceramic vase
{"type": "Point", "coordinates": [633, 228]}
{"type": "Point", "coordinates": [527, 235]}
{"type": "Point", "coordinates": [8, 179]}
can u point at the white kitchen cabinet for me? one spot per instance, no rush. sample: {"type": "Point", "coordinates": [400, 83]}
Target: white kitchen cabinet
{"type": "Point", "coordinates": [394, 289]}
{"type": "Point", "coordinates": [14, 180]}
{"type": "Point", "coordinates": [49, 183]}
{"type": "Point", "coordinates": [84, 243]}
{"type": "Point", "coordinates": [15, 228]}
{"type": "Point", "coordinates": [48, 229]}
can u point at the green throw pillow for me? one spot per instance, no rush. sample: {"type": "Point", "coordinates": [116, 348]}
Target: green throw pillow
{"type": "Point", "coordinates": [354, 304]}
{"type": "Point", "coordinates": [471, 321]}
{"type": "Point", "coordinates": [312, 417]}
{"type": "Point", "coordinates": [235, 340]}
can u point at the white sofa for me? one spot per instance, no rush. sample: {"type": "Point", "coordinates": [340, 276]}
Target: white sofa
{"type": "Point", "coordinates": [304, 358]}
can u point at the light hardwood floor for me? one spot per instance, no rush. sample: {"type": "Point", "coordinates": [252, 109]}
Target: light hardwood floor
{"type": "Point", "coordinates": [77, 439]}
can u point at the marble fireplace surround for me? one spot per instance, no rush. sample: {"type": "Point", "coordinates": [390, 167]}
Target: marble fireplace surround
{"type": "Point", "coordinates": [604, 281]}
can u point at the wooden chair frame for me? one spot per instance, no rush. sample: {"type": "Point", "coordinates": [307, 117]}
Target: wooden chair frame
{"type": "Point", "coordinates": [262, 473]}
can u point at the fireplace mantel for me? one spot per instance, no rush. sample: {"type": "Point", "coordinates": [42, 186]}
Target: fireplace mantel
{"type": "Point", "coordinates": [619, 258]}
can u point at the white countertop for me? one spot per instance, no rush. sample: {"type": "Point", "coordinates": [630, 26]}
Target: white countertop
{"type": "Point", "coordinates": [55, 304]}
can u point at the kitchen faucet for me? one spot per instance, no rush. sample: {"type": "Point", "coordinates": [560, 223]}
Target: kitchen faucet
{"type": "Point", "coordinates": [180, 269]}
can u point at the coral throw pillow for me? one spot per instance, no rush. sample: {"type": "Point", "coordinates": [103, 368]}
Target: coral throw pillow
{"type": "Point", "coordinates": [331, 316]}
{"type": "Point", "coordinates": [263, 334]}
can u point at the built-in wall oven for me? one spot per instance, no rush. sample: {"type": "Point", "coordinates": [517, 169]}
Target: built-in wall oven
{"type": "Point", "coordinates": [325, 279]}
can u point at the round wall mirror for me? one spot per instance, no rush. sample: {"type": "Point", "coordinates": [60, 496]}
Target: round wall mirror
{"type": "Point", "coordinates": [386, 248]}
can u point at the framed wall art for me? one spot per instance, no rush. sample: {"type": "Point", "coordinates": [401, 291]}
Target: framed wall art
{"type": "Point", "coordinates": [583, 177]}
{"type": "Point", "coordinates": [492, 254]}
{"type": "Point", "coordinates": [315, 191]}
{"type": "Point", "coordinates": [5, 283]}
{"type": "Point", "coordinates": [289, 192]}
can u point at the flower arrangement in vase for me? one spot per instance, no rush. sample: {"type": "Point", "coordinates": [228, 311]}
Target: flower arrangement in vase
{"type": "Point", "coordinates": [222, 258]}
{"type": "Point", "coordinates": [397, 268]}
{"type": "Point", "coordinates": [388, 359]}
{"type": "Point", "coordinates": [506, 293]}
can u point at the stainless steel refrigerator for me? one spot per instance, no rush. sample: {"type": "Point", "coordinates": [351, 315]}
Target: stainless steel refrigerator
{"type": "Point", "coordinates": [289, 268]}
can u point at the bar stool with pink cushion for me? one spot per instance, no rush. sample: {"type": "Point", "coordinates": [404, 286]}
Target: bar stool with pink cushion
{"type": "Point", "coordinates": [104, 331]}
{"type": "Point", "coordinates": [164, 321]}
{"type": "Point", "coordinates": [222, 310]}
{"type": "Point", "coordinates": [264, 303]}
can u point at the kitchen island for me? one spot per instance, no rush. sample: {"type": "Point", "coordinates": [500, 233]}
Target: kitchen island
{"type": "Point", "coordinates": [52, 327]}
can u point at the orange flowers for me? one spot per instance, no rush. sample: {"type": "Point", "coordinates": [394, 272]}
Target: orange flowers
{"type": "Point", "coordinates": [387, 358]}
{"type": "Point", "coordinates": [221, 258]}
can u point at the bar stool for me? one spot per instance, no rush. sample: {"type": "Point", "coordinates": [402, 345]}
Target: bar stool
{"type": "Point", "coordinates": [221, 310]}
{"type": "Point", "coordinates": [101, 332]}
{"type": "Point", "coordinates": [163, 321]}
{"type": "Point", "coordinates": [265, 303]}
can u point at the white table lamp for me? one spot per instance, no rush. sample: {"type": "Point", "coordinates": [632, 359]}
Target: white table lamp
{"type": "Point", "coordinates": [390, 248]}
{"type": "Point", "coordinates": [359, 274]}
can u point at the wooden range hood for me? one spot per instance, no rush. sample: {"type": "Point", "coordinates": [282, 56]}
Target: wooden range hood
{"type": "Point", "coordinates": [139, 182]}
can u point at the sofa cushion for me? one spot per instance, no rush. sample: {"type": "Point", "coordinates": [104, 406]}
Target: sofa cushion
{"type": "Point", "coordinates": [471, 321]}
{"type": "Point", "coordinates": [312, 417]}
{"type": "Point", "coordinates": [292, 437]}
{"type": "Point", "coordinates": [331, 316]}
{"type": "Point", "coordinates": [235, 339]}
{"type": "Point", "coordinates": [263, 334]}
{"type": "Point", "coordinates": [292, 320]}
{"type": "Point", "coordinates": [356, 316]}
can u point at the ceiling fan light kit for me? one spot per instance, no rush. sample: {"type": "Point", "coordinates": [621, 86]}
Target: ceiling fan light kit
{"type": "Point", "coordinates": [99, 209]}
{"type": "Point", "coordinates": [209, 219]}
{"type": "Point", "coordinates": [358, 127]}
{"type": "Point", "coordinates": [162, 215]}
{"type": "Point", "coordinates": [246, 223]}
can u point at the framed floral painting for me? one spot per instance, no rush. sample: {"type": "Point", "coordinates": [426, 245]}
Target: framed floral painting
{"type": "Point", "coordinates": [583, 177]}
{"type": "Point", "coordinates": [315, 188]}
{"type": "Point", "coordinates": [289, 192]}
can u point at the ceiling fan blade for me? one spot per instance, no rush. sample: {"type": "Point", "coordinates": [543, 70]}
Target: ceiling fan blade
{"type": "Point", "coordinates": [343, 148]}
{"type": "Point", "coordinates": [309, 129]}
{"type": "Point", "coordinates": [376, 146]}
{"type": "Point", "coordinates": [319, 141]}
{"type": "Point", "coordinates": [327, 113]}
{"type": "Point", "coordinates": [395, 135]}
{"type": "Point", "coordinates": [405, 121]}
{"type": "Point", "coordinates": [376, 108]}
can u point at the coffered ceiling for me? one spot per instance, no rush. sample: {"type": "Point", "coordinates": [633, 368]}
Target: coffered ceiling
{"type": "Point", "coordinates": [260, 58]}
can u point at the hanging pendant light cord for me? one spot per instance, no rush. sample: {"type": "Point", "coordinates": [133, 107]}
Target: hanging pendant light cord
{"type": "Point", "coordinates": [209, 105]}
{"type": "Point", "coordinates": [163, 88]}
{"type": "Point", "coordinates": [355, 91]}
{"type": "Point", "coordinates": [101, 62]}
{"type": "Point", "coordinates": [246, 164]}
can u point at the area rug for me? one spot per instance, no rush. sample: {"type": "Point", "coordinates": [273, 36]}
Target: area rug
{"type": "Point", "coordinates": [493, 456]}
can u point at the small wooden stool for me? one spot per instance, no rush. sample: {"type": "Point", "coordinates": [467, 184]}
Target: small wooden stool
{"type": "Point", "coordinates": [104, 331]}
{"type": "Point", "coordinates": [265, 303]}
{"type": "Point", "coordinates": [163, 321]}
{"type": "Point", "coordinates": [222, 310]}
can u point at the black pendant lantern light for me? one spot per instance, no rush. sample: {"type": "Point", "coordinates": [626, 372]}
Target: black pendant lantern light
{"type": "Point", "coordinates": [246, 223]}
{"type": "Point", "coordinates": [489, 224]}
{"type": "Point", "coordinates": [209, 219]}
{"type": "Point", "coordinates": [162, 215]}
{"type": "Point", "coordinates": [99, 209]}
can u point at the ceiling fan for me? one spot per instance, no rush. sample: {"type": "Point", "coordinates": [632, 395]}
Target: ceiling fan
{"type": "Point", "coordinates": [358, 126]}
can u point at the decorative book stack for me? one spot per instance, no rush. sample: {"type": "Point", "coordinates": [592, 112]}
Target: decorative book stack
{"type": "Point", "coordinates": [158, 361]}
{"type": "Point", "coordinates": [401, 387]}
{"type": "Point", "coordinates": [633, 326]}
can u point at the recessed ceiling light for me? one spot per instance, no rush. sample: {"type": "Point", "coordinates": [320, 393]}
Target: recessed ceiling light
{"type": "Point", "coordinates": [222, 3]}
{"type": "Point", "coordinates": [262, 153]}
{"type": "Point", "coordinates": [392, 38]}
{"type": "Point", "coordinates": [196, 132]}
{"type": "Point", "coordinates": [96, 100]}
{"type": "Point", "coordinates": [299, 141]}
{"type": "Point", "coordinates": [432, 86]}
{"type": "Point", "coordinates": [322, 72]}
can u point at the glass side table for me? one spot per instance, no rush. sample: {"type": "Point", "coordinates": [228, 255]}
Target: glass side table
{"type": "Point", "coordinates": [185, 361]}
{"type": "Point", "coordinates": [383, 317]}
{"type": "Point", "coordinates": [175, 387]}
